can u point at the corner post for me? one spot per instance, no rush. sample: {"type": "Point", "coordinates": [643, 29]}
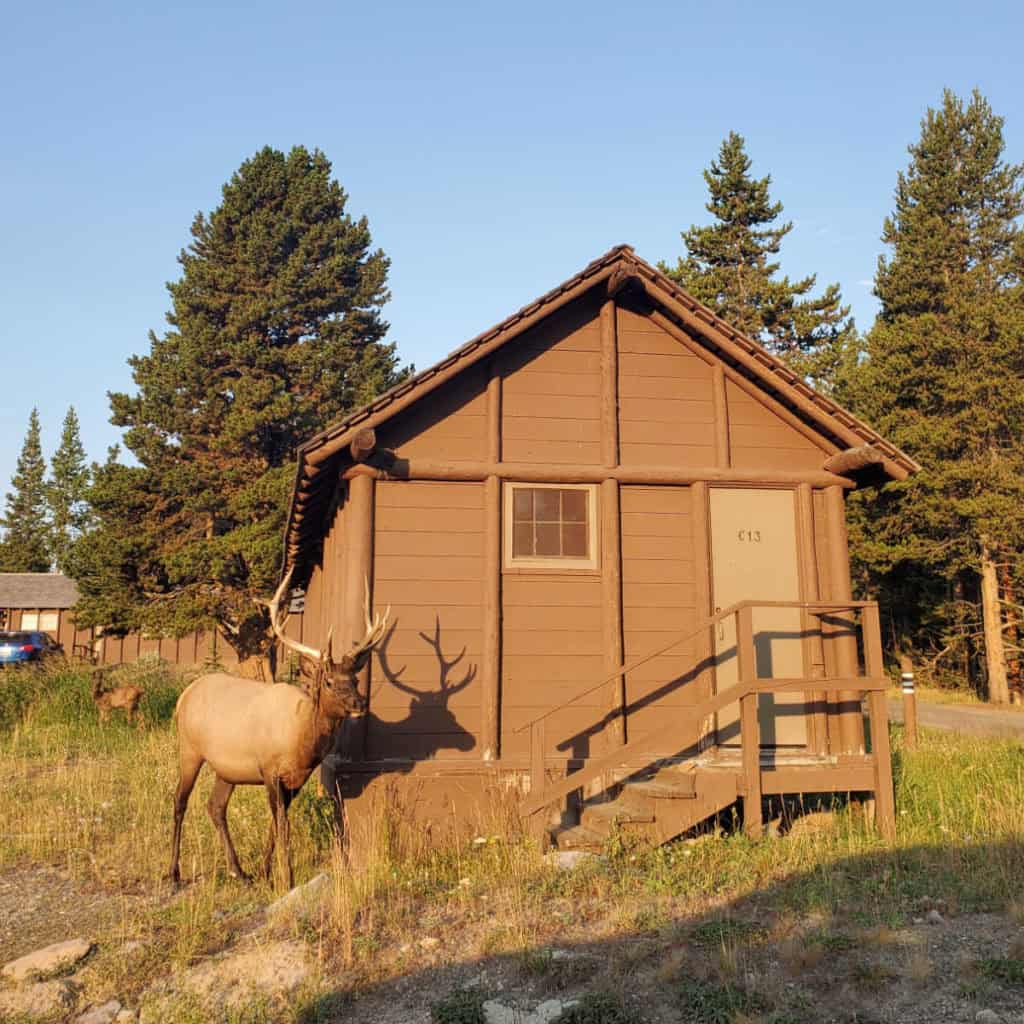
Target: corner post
{"type": "Point", "coordinates": [909, 702]}
{"type": "Point", "coordinates": [750, 732]}
{"type": "Point", "coordinates": [491, 655]}
{"type": "Point", "coordinates": [851, 722]}
{"type": "Point", "coordinates": [358, 576]}
{"type": "Point", "coordinates": [611, 524]}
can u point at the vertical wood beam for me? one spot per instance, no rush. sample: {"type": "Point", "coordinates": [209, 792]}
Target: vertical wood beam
{"type": "Point", "coordinates": [814, 654]}
{"type": "Point", "coordinates": [358, 568]}
{"type": "Point", "coordinates": [704, 645]}
{"type": "Point", "coordinates": [611, 607]}
{"type": "Point", "coordinates": [609, 384]}
{"type": "Point", "coordinates": [611, 523]}
{"type": "Point", "coordinates": [885, 801]}
{"type": "Point", "coordinates": [851, 722]}
{"type": "Point", "coordinates": [490, 694]}
{"type": "Point", "coordinates": [750, 732]}
{"type": "Point", "coordinates": [723, 457]}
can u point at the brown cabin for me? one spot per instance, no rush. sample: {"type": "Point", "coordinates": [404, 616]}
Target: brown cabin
{"type": "Point", "coordinates": [611, 532]}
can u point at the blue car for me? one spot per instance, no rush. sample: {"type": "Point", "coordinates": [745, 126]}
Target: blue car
{"type": "Point", "coordinates": [18, 646]}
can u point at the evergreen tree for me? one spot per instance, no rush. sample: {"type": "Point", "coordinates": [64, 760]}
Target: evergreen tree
{"type": "Point", "coordinates": [66, 491]}
{"type": "Point", "coordinates": [729, 267]}
{"type": "Point", "coordinates": [944, 377]}
{"type": "Point", "coordinates": [26, 531]}
{"type": "Point", "coordinates": [275, 331]}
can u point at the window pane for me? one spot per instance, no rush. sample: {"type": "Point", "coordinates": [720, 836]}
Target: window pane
{"type": "Point", "coordinates": [574, 540]}
{"type": "Point", "coordinates": [48, 620]}
{"type": "Point", "coordinates": [30, 620]}
{"type": "Point", "coordinates": [522, 540]}
{"type": "Point", "coordinates": [548, 540]}
{"type": "Point", "coordinates": [522, 504]}
{"type": "Point", "coordinates": [546, 505]}
{"type": "Point", "coordinates": [574, 506]}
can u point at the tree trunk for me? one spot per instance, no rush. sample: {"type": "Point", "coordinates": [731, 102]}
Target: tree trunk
{"type": "Point", "coordinates": [995, 654]}
{"type": "Point", "coordinates": [1012, 633]}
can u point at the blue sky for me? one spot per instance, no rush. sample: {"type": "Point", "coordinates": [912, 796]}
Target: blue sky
{"type": "Point", "coordinates": [495, 149]}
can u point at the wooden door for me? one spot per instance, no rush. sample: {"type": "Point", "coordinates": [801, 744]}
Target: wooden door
{"type": "Point", "coordinates": [754, 557]}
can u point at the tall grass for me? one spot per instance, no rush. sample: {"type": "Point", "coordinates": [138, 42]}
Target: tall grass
{"type": "Point", "coordinates": [96, 799]}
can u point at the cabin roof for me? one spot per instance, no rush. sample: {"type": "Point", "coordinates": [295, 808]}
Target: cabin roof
{"type": "Point", "coordinates": [327, 450]}
{"type": "Point", "coordinates": [37, 590]}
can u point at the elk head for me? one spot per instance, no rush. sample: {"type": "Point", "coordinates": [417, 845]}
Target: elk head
{"type": "Point", "coordinates": [334, 683]}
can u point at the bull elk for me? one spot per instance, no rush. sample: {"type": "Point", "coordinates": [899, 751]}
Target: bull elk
{"type": "Point", "coordinates": [260, 734]}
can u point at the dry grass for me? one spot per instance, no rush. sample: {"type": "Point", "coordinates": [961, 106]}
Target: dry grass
{"type": "Point", "coordinates": [96, 801]}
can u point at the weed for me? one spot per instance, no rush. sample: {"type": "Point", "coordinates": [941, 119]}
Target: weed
{"type": "Point", "coordinates": [599, 1008]}
{"type": "Point", "coordinates": [703, 1002]}
{"type": "Point", "coordinates": [1005, 970]}
{"type": "Point", "coordinates": [463, 1006]}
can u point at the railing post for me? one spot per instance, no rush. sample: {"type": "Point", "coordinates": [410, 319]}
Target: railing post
{"type": "Point", "coordinates": [909, 702]}
{"type": "Point", "coordinates": [538, 779]}
{"type": "Point", "coordinates": [750, 732]}
{"type": "Point", "coordinates": [885, 803]}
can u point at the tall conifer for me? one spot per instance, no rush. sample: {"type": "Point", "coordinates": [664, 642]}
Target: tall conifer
{"type": "Point", "coordinates": [730, 267]}
{"type": "Point", "coordinates": [26, 532]}
{"type": "Point", "coordinates": [66, 491]}
{"type": "Point", "coordinates": [944, 376]}
{"type": "Point", "coordinates": [275, 331]}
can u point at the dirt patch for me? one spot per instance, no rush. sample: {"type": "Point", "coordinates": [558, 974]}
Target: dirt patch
{"type": "Point", "coordinates": [41, 905]}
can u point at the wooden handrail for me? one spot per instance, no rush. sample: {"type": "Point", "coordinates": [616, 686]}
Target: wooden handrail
{"type": "Point", "coordinates": [733, 609]}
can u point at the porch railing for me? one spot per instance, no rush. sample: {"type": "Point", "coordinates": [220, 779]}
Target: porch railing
{"type": "Point", "coordinates": [849, 685]}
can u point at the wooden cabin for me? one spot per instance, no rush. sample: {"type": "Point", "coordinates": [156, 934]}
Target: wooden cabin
{"type": "Point", "coordinates": [46, 601]}
{"type": "Point", "coordinates": [611, 533]}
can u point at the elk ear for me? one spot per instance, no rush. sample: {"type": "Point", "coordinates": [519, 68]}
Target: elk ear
{"type": "Point", "coordinates": [356, 662]}
{"type": "Point", "coordinates": [308, 667]}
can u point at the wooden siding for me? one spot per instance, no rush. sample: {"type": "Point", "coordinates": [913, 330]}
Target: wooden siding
{"type": "Point", "coordinates": [758, 438]}
{"type": "Point", "coordinates": [666, 408]}
{"type": "Point", "coordinates": [659, 603]}
{"type": "Point", "coordinates": [451, 425]}
{"type": "Point", "coordinates": [551, 391]}
{"type": "Point", "coordinates": [428, 566]}
{"type": "Point", "coordinates": [552, 647]}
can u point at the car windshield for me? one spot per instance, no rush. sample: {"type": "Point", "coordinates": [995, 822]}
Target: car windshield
{"type": "Point", "coordinates": [8, 637]}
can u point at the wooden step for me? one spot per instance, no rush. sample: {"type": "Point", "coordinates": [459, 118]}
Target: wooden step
{"type": "Point", "coordinates": [578, 837]}
{"type": "Point", "coordinates": [677, 786]}
{"type": "Point", "coordinates": [603, 815]}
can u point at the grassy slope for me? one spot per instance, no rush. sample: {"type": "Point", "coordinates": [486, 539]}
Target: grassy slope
{"type": "Point", "coordinates": [95, 800]}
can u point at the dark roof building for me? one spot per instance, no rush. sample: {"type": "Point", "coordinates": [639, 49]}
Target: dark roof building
{"type": "Point", "coordinates": [37, 590]}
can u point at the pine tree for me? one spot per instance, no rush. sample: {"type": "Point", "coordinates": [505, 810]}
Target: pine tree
{"type": "Point", "coordinates": [275, 331]}
{"type": "Point", "coordinates": [729, 267]}
{"type": "Point", "coordinates": [944, 377]}
{"type": "Point", "coordinates": [66, 491]}
{"type": "Point", "coordinates": [26, 531]}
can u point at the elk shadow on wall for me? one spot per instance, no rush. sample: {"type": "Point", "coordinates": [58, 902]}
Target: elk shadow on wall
{"type": "Point", "coordinates": [429, 726]}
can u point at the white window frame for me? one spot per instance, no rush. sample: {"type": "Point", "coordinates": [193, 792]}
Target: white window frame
{"type": "Point", "coordinates": [566, 564]}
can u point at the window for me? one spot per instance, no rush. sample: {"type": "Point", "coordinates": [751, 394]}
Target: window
{"type": "Point", "coordinates": [49, 621]}
{"type": "Point", "coordinates": [551, 526]}
{"type": "Point", "coordinates": [30, 620]}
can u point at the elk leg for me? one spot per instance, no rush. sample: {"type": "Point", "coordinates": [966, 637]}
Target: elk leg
{"type": "Point", "coordinates": [218, 809]}
{"type": "Point", "coordinates": [188, 771]}
{"type": "Point", "coordinates": [268, 856]}
{"type": "Point", "coordinates": [279, 797]}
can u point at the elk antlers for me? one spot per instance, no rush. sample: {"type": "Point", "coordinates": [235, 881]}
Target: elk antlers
{"type": "Point", "coordinates": [375, 627]}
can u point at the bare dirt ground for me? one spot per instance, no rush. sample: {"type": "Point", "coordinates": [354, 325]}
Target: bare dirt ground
{"type": "Point", "coordinates": [40, 905]}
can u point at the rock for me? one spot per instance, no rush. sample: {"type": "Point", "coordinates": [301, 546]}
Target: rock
{"type": "Point", "coordinates": [498, 1013]}
{"type": "Point", "coordinates": [105, 1014]}
{"type": "Point", "coordinates": [934, 917]}
{"type": "Point", "coordinates": [987, 1017]}
{"type": "Point", "coordinates": [48, 960]}
{"type": "Point", "coordinates": [126, 1017]}
{"type": "Point", "coordinates": [551, 1010]}
{"type": "Point", "coordinates": [45, 999]}
{"type": "Point", "coordinates": [302, 901]}
{"type": "Point", "coordinates": [429, 942]}
{"type": "Point", "coordinates": [566, 860]}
